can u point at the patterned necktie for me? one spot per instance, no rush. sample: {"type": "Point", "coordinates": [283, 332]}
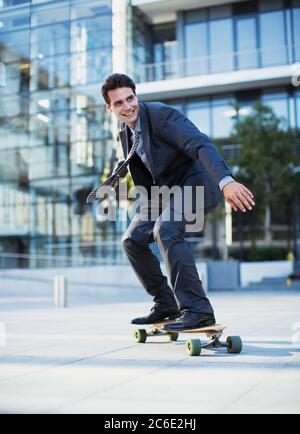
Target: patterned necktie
{"type": "Point", "coordinates": [123, 168]}
{"type": "Point", "coordinates": [113, 181]}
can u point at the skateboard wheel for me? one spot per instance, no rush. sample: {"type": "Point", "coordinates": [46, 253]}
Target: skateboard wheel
{"type": "Point", "coordinates": [140, 336]}
{"type": "Point", "coordinates": [193, 347]}
{"type": "Point", "coordinates": [234, 344]}
{"type": "Point", "coordinates": [174, 336]}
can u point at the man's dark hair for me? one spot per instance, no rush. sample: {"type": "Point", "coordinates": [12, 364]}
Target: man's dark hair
{"type": "Point", "coordinates": [115, 81]}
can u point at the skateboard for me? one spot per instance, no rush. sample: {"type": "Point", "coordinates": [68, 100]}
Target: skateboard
{"type": "Point", "coordinates": [194, 347]}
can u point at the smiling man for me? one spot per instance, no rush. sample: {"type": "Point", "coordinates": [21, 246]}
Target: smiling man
{"type": "Point", "coordinates": [166, 149]}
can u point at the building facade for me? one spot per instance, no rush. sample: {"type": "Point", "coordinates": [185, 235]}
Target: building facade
{"type": "Point", "coordinates": [56, 137]}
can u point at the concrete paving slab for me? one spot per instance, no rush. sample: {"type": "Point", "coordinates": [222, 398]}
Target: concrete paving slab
{"type": "Point", "coordinates": [84, 359]}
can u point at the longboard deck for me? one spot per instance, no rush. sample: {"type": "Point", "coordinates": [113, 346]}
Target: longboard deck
{"type": "Point", "coordinates": [194, 347]}
{"type": "Point", "coordinates": [217, 328]}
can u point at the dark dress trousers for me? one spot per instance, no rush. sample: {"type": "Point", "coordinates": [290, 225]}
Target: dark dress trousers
{"type": "Point", "coordinates": [178, 155]}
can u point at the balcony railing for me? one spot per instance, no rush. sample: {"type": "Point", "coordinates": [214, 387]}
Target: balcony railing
{"type": "Point", "coordinates": [217, 64]}
{"type": "Point", "coordinates": [85, 254]}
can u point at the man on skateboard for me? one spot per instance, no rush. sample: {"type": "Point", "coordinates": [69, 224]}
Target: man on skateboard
{"type": "Point", "coordinates": [163, 148]}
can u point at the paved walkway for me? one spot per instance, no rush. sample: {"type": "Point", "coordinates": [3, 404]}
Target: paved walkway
{"type": "Point", "coordinates": [84, 359]}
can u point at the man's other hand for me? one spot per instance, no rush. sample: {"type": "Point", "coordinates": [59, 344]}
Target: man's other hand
{"type": "Point", "coordinates": [238, 196]}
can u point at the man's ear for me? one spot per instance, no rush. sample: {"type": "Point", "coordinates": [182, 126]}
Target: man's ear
{"type": "Point", "coordinates": [108, 108]}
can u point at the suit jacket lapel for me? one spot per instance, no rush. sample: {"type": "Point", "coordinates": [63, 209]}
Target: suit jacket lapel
{"type": "Point", "coordinates": [145, 134]}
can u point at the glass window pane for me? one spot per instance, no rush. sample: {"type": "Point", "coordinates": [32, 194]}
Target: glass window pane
{"type": "Point", "coordinates": [296, 33]}
{"type": "Point", "coordinates": [13, 132]}
{"type": "Point", "coordinates": [90, 67]}
{"type": "Point", "coordinates": [221, 37]}
{"type": "Point", "coordinates": [50, 72]}
{"type": "Point", "coordinates": [50, 40]}
{"type": "Point", "coordinates": [159, 61]}
{"type": "Point", "coordinates": [246, 43]}
{"type": "Point", "coordinates": [222, 118]}
{"type": "Point", "coordinates": [42, 43]}
{"type": "Point", "coordinates": [14, 211]}
{"type": "Point", "coordinates": [85, 34]}
{"type": "Point", "coordinates": [16, 20]}
{"type": "Point", "coordinates": [273, 44]}
{"type": "Point", "coordinates": [246, 109]}
{"type": "Point", "coordinates": [196, 48]}
{"type": "Point", "coordinates": [49, 101]}
{"type": "Point", "coordinates": [14, 105]}
{"type": "Point", "coordinates": [13, 167]}
{"type": "Point", "coordinates": [14, 46]}
{"type": "Point", "coordinates": [298, 108]}
{"type": "Point", "coordinates": [171, 57]}
{"type": "Point", "coordinates": [35, 2]}
{"type": "Point", "coordinates": [199, 114]}
{"type": "Point", "coordinates": [292, 111]}
{"type": "Point", "coordinates": [91, 8]}
{"type": "Point", "coordinates": [50, 13]}
{"type": "Point", "coordinates": [14, 2]}
{"type": "Point", "coordinates": [142, 47]}
{"type": "Point", "coordinates": [279, 103]}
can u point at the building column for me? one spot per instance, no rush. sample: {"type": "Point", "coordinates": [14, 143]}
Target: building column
{"type": "Point", "coordinates": [122, 46]}
{"type": "Point", "coordinates": [32, 229]}
{"type": "Point", "coordinates": [121, 40]}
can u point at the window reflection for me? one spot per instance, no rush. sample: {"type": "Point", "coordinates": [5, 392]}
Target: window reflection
{"type": "Point", "coordinates": [48, 73]}
{"type": "Point", "coordinates": [13, 132]}
{"type": "Point", "coordinates": [52, 13]}
{"type": "Point", "coordinates": [14, 45]}
{"type": "Point", "coordinates": [296, 32]}
{"type": "Point", "coordinates": [215, 117]}
{"type": "Point", "coordinates": [90, 8]}
{"type": "Point", "coordinates": [14, 105]}
{"type": "Point", "coordinates": [196, 48]}
{"type": "Point", "coordinates": [246, 43]}
{"type": "Point", "coordinates": [141, 45]}
{"type": "Point", "coordinates": [54, 137]}
{"type": "Point", "coordinates": [86, 36]}
{"type": "Point", "coordinates": [14, 210]}
{"type": "Point", "coordinates": [221, 36]}
{"type": "Point", "coordinates": [14, 165]}
{"type": "Point", "coordinates": [279, 103]}
{"type": "Point", "coordinates": [15, 79]}
{"type": "Point", "coordinates": [165, 52]}
{"type": "Point", "coordinates": [298, 109]}
{"type": "Point", "coordinates": [90, 67]}
{"type": "Point", "coordinates": [48, 128]}
{"type": "Point", "coordinates": [50, 40]}
{"type": "Point", "coordinates": [273, 43]}
{"type": "Point", "coordinates": [199, 114]}
{"type": "Point", "coordinates": [222, 117]}
{"type": "Point", "coordinates": [242, 37]}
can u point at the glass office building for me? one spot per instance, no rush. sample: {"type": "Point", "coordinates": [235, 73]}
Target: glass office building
{"type": "Point", "coordinates": [55, 135]}
{"type": "Point", "coordinates": [232, 37]}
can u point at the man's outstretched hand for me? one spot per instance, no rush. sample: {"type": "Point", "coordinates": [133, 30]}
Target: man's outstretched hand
{"type": "Point", "coordinates": [238, 196]}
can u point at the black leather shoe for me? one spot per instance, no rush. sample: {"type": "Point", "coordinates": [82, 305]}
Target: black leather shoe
{"type": "Point", "coordinates": [158, 314]}
{"type": "Point", "coordinates": [191, 320]}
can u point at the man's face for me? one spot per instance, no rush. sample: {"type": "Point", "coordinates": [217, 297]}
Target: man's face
{"type": "Point", "coordinates": [124, 104]}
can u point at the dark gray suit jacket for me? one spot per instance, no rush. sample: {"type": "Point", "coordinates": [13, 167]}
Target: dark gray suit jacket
{"type": "Point", "coordinates": [176, 150]}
